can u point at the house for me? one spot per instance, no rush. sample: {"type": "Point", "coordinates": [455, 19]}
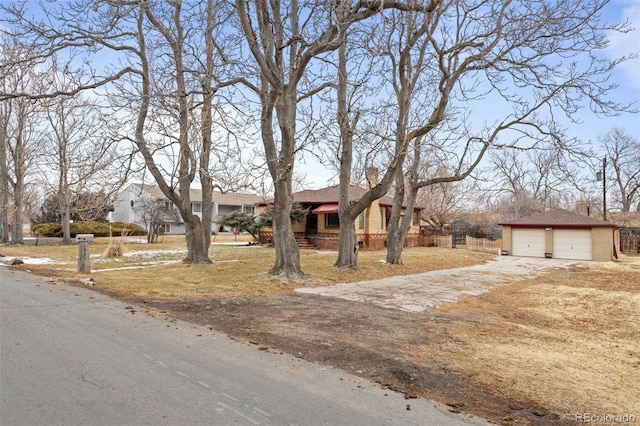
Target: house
{"type": "Point", "coordinates": [321, 227]}
{"type": "Point", "coordinates": [130, 206]}
{"type": "Point", "coordinates": [561, 234]}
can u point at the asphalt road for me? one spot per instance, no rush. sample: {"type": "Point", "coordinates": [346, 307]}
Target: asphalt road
{"type": "Point", "coordinates": [71, 356]}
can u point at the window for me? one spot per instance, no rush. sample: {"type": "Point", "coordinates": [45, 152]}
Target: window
{"type": "Point", "coordinates": [166, 228]}
{"type": "Point", "coordinates": [331, 220]}
{"type": "Point", "coordinates": [416, 218]}
{"type": "Point", "coordinates": [168, 205]}
{"type": "Point", "coordinates": [382, 217]}
{"type": "Point", "coordinates": [249, 210]}
{"type": "Point", "coordinates": [196, 207]}
{"type": "Point", "coordinates": [361, 221]}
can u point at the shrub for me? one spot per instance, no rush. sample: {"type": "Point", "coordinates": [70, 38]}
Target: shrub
{"type": "Point", "coordinates": [98, 229]}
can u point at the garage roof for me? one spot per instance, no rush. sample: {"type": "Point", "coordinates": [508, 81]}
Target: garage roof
{"type": "Point", "coordinates": [558, 217]}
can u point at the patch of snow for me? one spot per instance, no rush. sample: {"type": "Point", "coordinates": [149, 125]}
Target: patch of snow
{"type": "Point", "coordinates": [153, 253]}
{"type": "Point", "coordinates": [34, 260]}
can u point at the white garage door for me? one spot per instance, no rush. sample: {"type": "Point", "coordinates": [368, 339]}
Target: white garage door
{"type": "Point", "coordinates": [572, 244]}
{"type": "Point", "coordinates": [528, 242]}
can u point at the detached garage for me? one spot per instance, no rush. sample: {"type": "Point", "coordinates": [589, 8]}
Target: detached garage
{"type": "Point", "coordinates": [561, 234]}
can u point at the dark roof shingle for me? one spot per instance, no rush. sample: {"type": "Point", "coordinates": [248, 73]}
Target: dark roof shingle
{"type": "Point", "coordinates": [331, 194]}
{"type": "Point", "coordinates": [558, 217]}
{"type": "Point", "coordinates": [195, 194]}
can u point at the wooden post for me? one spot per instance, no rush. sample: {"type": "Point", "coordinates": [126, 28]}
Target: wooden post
{"type": "Point", "coordinates": [84, 262]}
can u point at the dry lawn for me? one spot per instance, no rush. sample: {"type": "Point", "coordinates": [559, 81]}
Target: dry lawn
{"type": "Point", "coordinates": [570, 341]}
{"type": "Point", "coordinates": [157, 271]}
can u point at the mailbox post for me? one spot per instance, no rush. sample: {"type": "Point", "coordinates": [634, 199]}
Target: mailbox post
{"type": "Point", "coordinates": [84, 262]}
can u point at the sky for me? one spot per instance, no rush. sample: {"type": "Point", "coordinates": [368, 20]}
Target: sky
{"type": "Point", "coordinates": [627, 77]}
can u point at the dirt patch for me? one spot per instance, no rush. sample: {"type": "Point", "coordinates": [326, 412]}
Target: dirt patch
{"type": "Point", "coordinates": [538, 351]}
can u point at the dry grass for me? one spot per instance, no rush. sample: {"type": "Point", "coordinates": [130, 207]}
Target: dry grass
{"type": "Point", "coordinates": [157, 271]}
{"type": "Point", "coordinates": [568, 341]}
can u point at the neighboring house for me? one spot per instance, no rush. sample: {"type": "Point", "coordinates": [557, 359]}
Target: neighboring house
{"type": "Point", "coordinates": [561, 234]}
{"type": "Point", "coordinates": [129, 203]}
{"type": "Point", "coordinates": [321, 228]}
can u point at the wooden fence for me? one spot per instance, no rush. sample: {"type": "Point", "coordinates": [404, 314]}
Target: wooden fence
{"type": "Point", "coordinates": [437, 241]}
{"type": "Point", "coordinates": [472, 244]}
{"type": "Point", "coordinates": [483, 245]}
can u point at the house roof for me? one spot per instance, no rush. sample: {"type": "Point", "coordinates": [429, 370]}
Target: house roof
{"type": "Point", "coordinates": [234, 198]}
{"type": "Point", "coordinates": [195, 194]}
{"type": "Point", "coordinates": [559, 217]}
{"type": "Point", "coordinates": [331, 195]}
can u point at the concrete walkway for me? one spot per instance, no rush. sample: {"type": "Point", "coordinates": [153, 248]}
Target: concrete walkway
{"type": "Point", "coordinates": [415, 293]}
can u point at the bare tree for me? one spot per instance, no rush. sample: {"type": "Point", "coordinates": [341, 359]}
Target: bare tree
{"type": "Point", "coordinates": [155, 214]}
{"type": "Point", "coordinates": [348, 210]}
{"type": "Point", "coordinates": [342, 132]}
{"type": "Point", "coordinates": [19, 139]}
{"type": "Point", "coordinates": [188, 82]}
{"type": "Point", "coordinates": [284, 39]}
{"type": "Point", "coordinates": [282, 47]}
{"type": "Point", "coordinates": [76, 153]}
{"type": "Point", "coordinates": [4, 170]}
{"type": "Point", "coordinates": [443, 201]}
{"type": "Point", "coordinates": [623, 152]}
{"type": "Point", "coordinates": [533, 60]}
{"type": "Point", "coordinates": [533, 180]}
{"type": "Point", "coordinates": [165, 67]}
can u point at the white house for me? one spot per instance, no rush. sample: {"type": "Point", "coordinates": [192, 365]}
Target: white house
{"type": "Point", "coordinates": [129, 202]}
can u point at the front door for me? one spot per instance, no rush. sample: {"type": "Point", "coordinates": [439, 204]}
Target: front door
{"type": "Point", "coordinates": [311, 227]}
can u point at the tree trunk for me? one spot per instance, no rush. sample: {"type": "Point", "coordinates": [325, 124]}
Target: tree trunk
{"type": "Point", "coordinates": [348, 240]}
{"type": "Point", "coordinates": [4, 184]}
{"type": "Point", "coordinates": [395, 242]}
{"type": "Point", "coordinates": [16, 233]}
{"type": "Point", "coordinates": [348, 247]}
{"type": "Point", "coordinates": [399, 229]}
{"type": "Point", "coordinates": [207, 124]}
{"type": "Point", "coordinates": [65, 215]}
{"type": "Point", "coordinates": [66, 227]}
{"type": "Point", "coordinates": [287, 264]}
{"type": "Point", "coordinates": [197, 248]}
{"type": "Point", "coordinates": [4, 220]}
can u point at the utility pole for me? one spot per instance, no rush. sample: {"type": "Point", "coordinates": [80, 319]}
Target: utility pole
{"type": "Point", "coordinates": [604, 188]}
{"type": "Point", "coordinates": [602, 175]}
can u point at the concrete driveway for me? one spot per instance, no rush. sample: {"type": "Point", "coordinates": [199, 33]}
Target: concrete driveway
{"type": "Point", "coordinates": [415, 293]}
